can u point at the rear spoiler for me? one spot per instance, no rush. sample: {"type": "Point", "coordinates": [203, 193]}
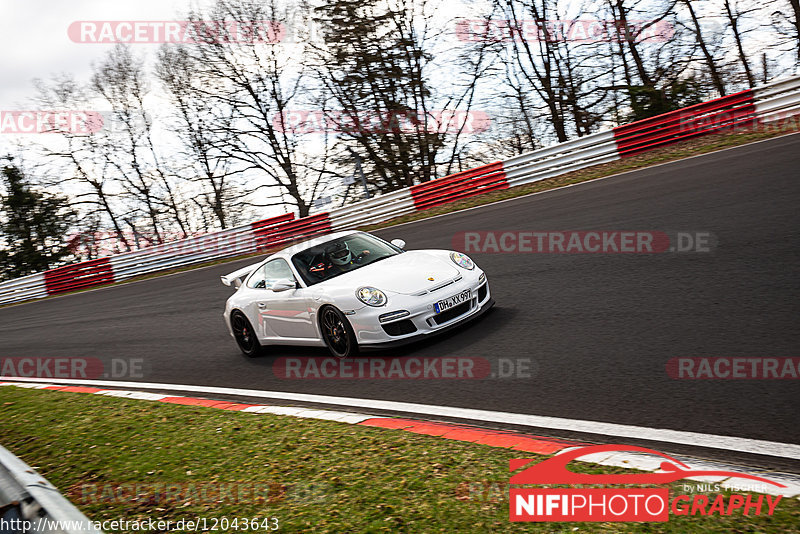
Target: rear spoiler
{"type": "Point", "coordinates": [236, 278]}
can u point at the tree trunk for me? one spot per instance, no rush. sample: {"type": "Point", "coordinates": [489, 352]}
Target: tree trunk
{"type": "Point", "coordinates": [796, 22]}
{"type": "Point", "coordinates": [631, 40]}
{"type": "Point", "coordinates": [712, 67]}
{"type": "Point", "coordinates": [734, 22]}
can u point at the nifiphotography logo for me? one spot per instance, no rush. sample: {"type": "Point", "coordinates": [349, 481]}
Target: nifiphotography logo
{"type": "Point", "coordinates": [624, 504]}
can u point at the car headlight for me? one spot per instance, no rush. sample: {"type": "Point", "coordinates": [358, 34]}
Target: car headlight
{"type": "Point", "coordinates": [371, 296]}
{"type": "Point", "coordinates": [462, 260]}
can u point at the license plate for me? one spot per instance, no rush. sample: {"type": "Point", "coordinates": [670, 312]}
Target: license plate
{"type": "Point", "coordinates": [455, 300]}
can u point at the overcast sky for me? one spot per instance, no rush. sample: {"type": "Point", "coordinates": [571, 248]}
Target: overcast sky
{"type": "Point", "coordinates": [35, 44]}
{"type": "Point", "coordinates": [34, 41]}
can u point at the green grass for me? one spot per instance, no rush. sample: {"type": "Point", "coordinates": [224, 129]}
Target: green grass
{"type": "Point", "coordinates": [323, 476]}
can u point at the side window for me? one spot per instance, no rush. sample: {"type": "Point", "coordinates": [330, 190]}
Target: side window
{"type": "Point", "coordinates": [269, 273]}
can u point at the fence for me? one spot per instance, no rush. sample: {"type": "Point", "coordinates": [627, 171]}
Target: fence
{"type": "Point", "coordinates": [764, 104]}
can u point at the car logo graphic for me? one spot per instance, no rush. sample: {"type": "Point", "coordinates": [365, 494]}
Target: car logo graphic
{"type": "Point", "coordinates": [430, 278]}
{"type": "Point", "coordinates": [554, 470]}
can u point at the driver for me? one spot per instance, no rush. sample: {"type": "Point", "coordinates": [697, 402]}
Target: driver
{"type": "Point", "coordinates": [339, 257]}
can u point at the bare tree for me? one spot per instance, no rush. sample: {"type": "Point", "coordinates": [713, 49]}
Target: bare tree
{"type": "Point", "coordinates": [206, 164]}
{"type": "Point", "coordinates": [80, 158]}
{"type": "Point", "coordinates": [711, 64]}
{"type": "Point", "coordinates": [250, 85]}
{"type": "Point", "coordinates": [796, 22]}
{"type": "Point", "coordinates": [785, 16]}
{"type": "Point", "coordinates": [120, 80]}
{"type": "Point", "coordinates": [375, 66]}
{"type": "Point", "coordinates": [734, 16]}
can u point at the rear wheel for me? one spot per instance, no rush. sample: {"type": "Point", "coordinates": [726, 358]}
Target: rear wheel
{"type": "Point", "coordinates": [337, 333]}
{"type": "Point", "coordinates": [245, 335]}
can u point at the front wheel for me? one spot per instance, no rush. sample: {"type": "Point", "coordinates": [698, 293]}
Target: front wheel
{"type": "Point", "coordinates": [337, 333]}
{"type": "Point", "coordinates": [245, 335]}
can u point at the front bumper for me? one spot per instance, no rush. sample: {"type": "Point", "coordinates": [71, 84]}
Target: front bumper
{"type": "Point", "coordinates": [422, 320]}
{"type": "Point", "coordinates": [413, 338]}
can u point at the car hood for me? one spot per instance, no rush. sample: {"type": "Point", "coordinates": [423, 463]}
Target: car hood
{"type": "Point", "coordinates": [407, 273]}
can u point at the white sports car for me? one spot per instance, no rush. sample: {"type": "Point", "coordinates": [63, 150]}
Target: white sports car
{"type": "Point", "coordinates": [349, 290]}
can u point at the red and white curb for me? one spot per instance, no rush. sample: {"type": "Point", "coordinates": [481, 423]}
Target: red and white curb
{"type": "Point", "coordinates": [493, 438]}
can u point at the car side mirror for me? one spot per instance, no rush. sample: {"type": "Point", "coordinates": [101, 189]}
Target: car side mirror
{"type": "Point", "coordinates": [283, 284]}
{"type": "Point", "coordinates": [399, 243]}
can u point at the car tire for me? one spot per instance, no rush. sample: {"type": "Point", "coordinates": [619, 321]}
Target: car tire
{"type": "Point", "coordinates": [337, 333]}
{"type": "Point", "coordinates": [245, 335]}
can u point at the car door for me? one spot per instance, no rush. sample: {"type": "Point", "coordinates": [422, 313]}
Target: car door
{"type": "Point", "coordinates": [281, 314]}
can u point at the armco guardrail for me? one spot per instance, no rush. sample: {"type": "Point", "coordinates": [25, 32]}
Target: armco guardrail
{"type": "Point", "coordinates": [78, 276]}
{"type": "Point", "coordinates": [767, 103]}
{"type": "Point", "coordinates": [460, 185]}
{"type": "Point", "coordinates": [777, 100]}
{"type": "Point", "coordinates": [565, 157]}
{"type": "Point", "coordinates": [277, 235]}
{"type": "Point", "coordinates": [372, 211]}
{"type": "Point", "coordinates": [30, 504]}
{"type": "Point", "coordinates": [719, 114]}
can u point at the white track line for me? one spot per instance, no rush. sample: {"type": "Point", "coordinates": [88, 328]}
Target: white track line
{"type": "Point", "coordinates": [730, 443]}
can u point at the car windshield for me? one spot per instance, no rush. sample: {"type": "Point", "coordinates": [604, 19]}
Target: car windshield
{"type": "Point", "coordinates": [338, 256]}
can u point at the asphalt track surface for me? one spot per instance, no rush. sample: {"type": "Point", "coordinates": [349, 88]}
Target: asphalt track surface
{"type": "Point", "coordinates": [599, 328]}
